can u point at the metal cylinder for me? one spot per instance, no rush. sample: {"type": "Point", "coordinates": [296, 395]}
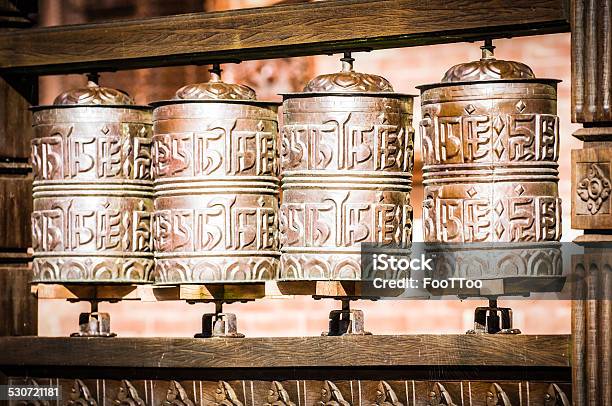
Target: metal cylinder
{"type": "Point", "coordinates": [215, 168]}
{"type": "Point", "coordinates": [92, 188]}
{"type": "Point", "coordinates": [490, 145]}
{"type": "Point", "coordinates": [346, 158]}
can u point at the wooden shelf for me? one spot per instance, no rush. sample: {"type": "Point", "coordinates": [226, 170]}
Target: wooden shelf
{"type": "Point", "coordinates": [212, 291]}
{"type": "Point", "coordinates": [208, 292]}
{"type": "Point", "coordinates": [89, 292]}
{"type": "Point", "coordinates": [290, 352]}
{"type": "Point", "coordinates": [272, 32]}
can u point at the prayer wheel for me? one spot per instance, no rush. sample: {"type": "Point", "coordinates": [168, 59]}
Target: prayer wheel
{"type": "Point", "coordinates": [215, 169]}
{"type": "Point", "coordinates": [490, 145]}
{"type": "Point", "coordinates": [92, 188]}
{"type": "Point", "coordinates": [346, 158]}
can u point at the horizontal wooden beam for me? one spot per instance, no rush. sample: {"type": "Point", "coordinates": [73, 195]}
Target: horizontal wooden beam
{"type": "Point", "coordinates": [290, 352]}
{"type": "Point", "coordinates": [272, 32]}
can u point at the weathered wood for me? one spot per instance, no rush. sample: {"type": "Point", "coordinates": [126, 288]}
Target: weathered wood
{"type": "Point", "coordinates": [276, 31]}
{"type": "Point", "coordinates": [210, 291]}
{"type": "Point", "coordinates": [336, 289]}
{"type": "Point", "coordinates": [89, 292]}
{"type": "Point", "coordinates": [18, 308]}
{"type": "Point", "coordinates": [591, 336]}
{"type": "Point", "coordinates": [591, 61]}
{"type": "Point", "coordinates": [14, 119]}
{"type": "Point", "coordinates": [290, 390]}
{"type": "Point", "coordinates": [345, 351]}
{"type": "Point", "coordinates": [15, 208]}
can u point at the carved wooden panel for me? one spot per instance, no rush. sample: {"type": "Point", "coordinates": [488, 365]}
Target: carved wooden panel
{"type": "Point", "coordinates": [592, 338]}
{"type": "Point", "coordinates": [591, 61]}
{"type": "Point", "coordinates": [141, 392]}
{"type": "Point", "coordinates": [591, 188]}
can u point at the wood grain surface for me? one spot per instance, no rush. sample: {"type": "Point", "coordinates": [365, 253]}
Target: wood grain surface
{"type": "Point", "coordinates": [275, 352]}
{"type": "Point", "coordinates": [276, 31]}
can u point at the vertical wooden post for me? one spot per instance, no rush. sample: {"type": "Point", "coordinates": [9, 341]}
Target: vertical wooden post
{"type": "Point", "coordinates": [18, 308]}
{"type": "Point", "coordinates": [591, 200]}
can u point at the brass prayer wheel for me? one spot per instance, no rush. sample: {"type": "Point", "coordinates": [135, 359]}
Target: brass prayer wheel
{"type": "Point", "coordinates": [215, 169]}
{"type": "Point", "coordinates": [92, 188]}
{"type": "Point", "coordinates": [346, 158]}
{"type": "Point", "coordinates": [490, 145]}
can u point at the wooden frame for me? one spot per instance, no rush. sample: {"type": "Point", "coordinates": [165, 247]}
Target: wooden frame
{"type": "Point", "coordinates": [272, 32]}
{"type": "Point", "coordinates": [295, 30]}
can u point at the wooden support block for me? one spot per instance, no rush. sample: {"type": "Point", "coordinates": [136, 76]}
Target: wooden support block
{"type": "Point", "coordinates": [336, 289]}
{"type": "Point", "coordinates": [207, 292]}
{"type": "Point", "coordinates": [89, 292]}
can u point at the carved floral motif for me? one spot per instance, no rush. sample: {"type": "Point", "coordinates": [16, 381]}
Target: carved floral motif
{"type": "Point", "coordinates": [215, 91]}
{"type": "Point", "coordinates": [594, 189]}
{"type": "Point", "coordinates": [488, 69]}
{"type": "Point", "coordinates": [348, 82]}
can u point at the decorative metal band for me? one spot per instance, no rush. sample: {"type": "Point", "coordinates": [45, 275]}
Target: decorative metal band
{"type": "Point", "coordinates": [220, 268]}
{"type": "Point", "coordinates": [522, 269]}
{"type": "Point", "coordinates": [216, 182]}
{"type": "Point", "coordinates": [195, 116]}
{"type": "Point", "coordinates": [499, 91]}
{"type": "Point", "coordinates": [92, 268]}
{"type": "Point", "coordinates": [490, 171]}
{"type": "Point", "coordinates": [320, 266]}
{"type": "Point", "coordinates": [490, 261]}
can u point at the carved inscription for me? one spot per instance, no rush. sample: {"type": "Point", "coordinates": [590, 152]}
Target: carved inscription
{"type": "Point", "coordinates": [85, 151]}
{"type": "Point", "coordinates": [507, 218]}
{"type": "Point", "coordinates": [480, 138]}
{"type": "Point", "coordinates": [343, 141]}
{"type": "Point", "coordinates": [345, 219]}
{"type": "Point", "coordinates": [94, 224]}
{"type": "Point", "coordinates": [225, 222]}
{"type": "Point", "coordinates": [222, 149]}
